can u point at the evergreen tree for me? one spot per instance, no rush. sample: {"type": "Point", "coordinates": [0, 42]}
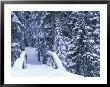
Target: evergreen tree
{"type": "Point", "coordinates": [73, 35]}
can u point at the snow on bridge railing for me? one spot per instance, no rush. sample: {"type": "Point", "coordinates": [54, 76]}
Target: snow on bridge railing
{"type": "Point", "coordinates": [20, 63]}
{"type": "Point", "coordinates": [57, 60]}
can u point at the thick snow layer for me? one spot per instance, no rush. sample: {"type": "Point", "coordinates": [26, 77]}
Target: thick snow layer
{"type": "Point", "coordinates": [19, 62]}
{"type": "Point", "coordinates": [41, 71]}
{"type": "Point", "coordinates": [57, 60]}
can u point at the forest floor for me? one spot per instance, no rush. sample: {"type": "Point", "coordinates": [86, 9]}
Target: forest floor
{"type": "Point", "coordinates": [37, 69]}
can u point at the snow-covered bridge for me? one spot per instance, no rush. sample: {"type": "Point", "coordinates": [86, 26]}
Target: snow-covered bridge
{"type": "Point", "coordinates": [36, 68]}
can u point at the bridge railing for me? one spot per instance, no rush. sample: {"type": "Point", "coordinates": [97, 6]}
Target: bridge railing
{"type": "Point", "coordinates": [24, 65]}
{"type": "Point", "coordinates": [53, 60]}
{"type": "Point", "coordinates": [21, 62]}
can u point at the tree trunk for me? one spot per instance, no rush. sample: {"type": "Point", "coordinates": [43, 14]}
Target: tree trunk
{"type": "Point", "coordinates": [39, 49]}
{"type": "Point", "coordinates": [38, 56]}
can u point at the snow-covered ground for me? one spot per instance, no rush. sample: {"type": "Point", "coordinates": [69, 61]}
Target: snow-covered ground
{"type": "Point", "coordinates": [19, 62]}
{"type": "Point", "coordinates": [39, 70]}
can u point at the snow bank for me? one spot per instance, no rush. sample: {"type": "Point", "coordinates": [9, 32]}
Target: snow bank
{"type": "Point", "coordinates": [19, 62]}
{"type": "Point", "coordinates": [57, 60]}
{"type": "Point", "coordinates": [42, 71]}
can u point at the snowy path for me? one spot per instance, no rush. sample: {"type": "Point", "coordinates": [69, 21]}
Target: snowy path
{"type": "Point", "coordinates": [41, 71]}
{"type": "Point", "coordinates": [32, 56]}
{"type": "Point", "coordinates": [36, 69]}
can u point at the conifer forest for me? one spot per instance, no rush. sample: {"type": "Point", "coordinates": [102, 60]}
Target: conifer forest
{"type": "Point", "coordinates": [66, 40]}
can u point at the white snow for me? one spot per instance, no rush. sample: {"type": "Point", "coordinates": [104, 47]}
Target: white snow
{"type": "Point", "coordinates": [71, 46]}
{"type": "Point", "coordinates": [91, 41]}
{"type": "Point", "coordinates": [40, 70]}
{"type": "Point", "coordinates": [95, 55]}
{"type": "Point", "coordinates": [87, 27]}
{"type": "Point", "coordinates": [84, 40]}
{"type": "Point", "coordinates": [95, 17]}
{"type": "Point", "coordinates": [96, 31]}
{"type": "Point", "coordinates": [77, 37]}
{"type": "Point", "coordinates": [71, 52]}
{"type": "Point", "coordinates": [19, 62]}
{"type": "Point", "coordinates": [14, 44]}
{"type": "Point", "coordinates": [71, 64]}
{"type": "Point", "coordinates": [57, 60]}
